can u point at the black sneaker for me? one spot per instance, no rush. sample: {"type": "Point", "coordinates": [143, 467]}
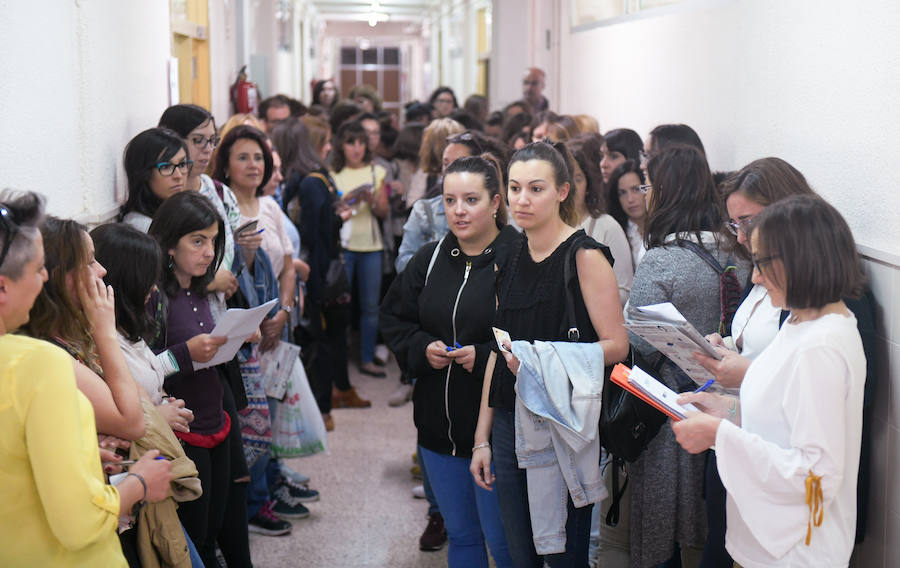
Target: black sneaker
{"type": "Point", "coordinates": [265, 522]}
{"type": "Point", "coordinates": [435, 535]}
{"type": "Point", "coordinates": [301, 493]}
{"type": "Point", "coordinates": [286, 507]}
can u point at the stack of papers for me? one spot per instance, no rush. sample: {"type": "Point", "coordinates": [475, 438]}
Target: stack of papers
{"type": "Point", "coordinates": [651, 391]}
{"type": "Point", "coordinates": [663, 327]}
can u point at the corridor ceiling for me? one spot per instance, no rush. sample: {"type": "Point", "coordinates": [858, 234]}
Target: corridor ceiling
{"type": "Point", "coordinates": [361, 10]}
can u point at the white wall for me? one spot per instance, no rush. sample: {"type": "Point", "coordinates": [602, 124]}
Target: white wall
{"type": "Point", "coordinates": [813, 82]}
{"type": "Point", "coordinates": [80, 80]}
{"type": "Point", "coordinates": [510, 51]}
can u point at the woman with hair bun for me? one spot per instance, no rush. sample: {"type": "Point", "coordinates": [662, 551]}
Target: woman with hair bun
{"type": "Point", "coordinates": [532, 295]}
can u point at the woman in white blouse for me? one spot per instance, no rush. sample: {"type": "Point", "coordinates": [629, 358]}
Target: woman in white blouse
{"type": "Point", "coordinates": [788, 447]}
{"type": "Point", "coordinates": [757, 185]}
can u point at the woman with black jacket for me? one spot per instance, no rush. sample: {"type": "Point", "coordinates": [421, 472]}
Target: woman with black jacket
{"type": "Point", "coordinates": [438, 315]}
{"type": "Point", "coordinates": [311, 203]}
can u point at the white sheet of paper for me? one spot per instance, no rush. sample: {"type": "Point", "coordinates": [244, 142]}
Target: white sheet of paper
{"type": "Point", "coordinates": [659, 392]}
{"type": "Point", "coordinates": [237, 325]}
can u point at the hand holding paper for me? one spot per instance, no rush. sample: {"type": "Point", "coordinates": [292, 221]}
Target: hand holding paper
{"type": "Point", "coordinates": [236, 325]}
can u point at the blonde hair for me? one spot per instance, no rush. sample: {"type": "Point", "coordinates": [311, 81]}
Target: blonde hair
{"type": "Point", "coordinates": [319, 130]}
{"type": "Point", "coordinates": [586, 123]}
{"type": "Point", "coordinates": [434, 142]}
{"type": "Point", "coordinates": [236, 120]}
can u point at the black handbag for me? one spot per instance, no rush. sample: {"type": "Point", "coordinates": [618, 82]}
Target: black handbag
{"type": "Point", "coordinates": [336, 288]}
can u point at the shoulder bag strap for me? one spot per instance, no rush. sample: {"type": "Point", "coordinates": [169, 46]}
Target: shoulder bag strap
{"type": "Point", "coordinates": [573, 334]}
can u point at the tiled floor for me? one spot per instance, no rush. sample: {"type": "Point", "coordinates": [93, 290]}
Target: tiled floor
{"type": "Point", "coordinates": [366, 515]}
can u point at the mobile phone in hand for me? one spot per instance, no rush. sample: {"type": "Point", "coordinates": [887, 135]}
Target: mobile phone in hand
{"type": "Point", "coordinates": [249, 227]}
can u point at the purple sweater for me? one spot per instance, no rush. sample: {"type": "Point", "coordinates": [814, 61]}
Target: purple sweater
{"type": "Point", "coordinates": [188, 316]}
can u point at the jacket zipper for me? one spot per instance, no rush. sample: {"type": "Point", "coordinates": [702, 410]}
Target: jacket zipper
{"type": "Point", "coordinates": [450, 366]}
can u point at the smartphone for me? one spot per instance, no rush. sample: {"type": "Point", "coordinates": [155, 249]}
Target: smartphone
{"type": "Point", "coordinates": [249, 227]}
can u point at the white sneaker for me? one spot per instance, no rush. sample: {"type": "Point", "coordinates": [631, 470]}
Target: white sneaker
{"type": "Point", "coordinates": [418, 491]}
{"type": "Point", "coordinates": [401, 396]}
{"type": "Point", "coordinates": [382, 354]}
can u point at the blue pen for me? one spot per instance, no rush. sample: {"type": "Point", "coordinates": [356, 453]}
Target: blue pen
{"type": "Point", "coordinates": [706, 385]}
{"type": "Point", "coordinates": [260, 231]}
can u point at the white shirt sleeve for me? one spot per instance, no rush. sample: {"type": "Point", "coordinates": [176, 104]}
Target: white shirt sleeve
{"type": "Point", "coordinates": [766, 477]}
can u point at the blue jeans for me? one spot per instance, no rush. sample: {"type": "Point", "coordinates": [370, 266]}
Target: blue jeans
{"type": "Point", "coordinates": [258, 489]}
{"type": "Point", "coordinates": [512, 496]}
{"type": "Point", "coordinates": [367, 267]}
{"type": "Point", "coordinates": [471, 514]}
{"type": "Point", "coordinates": [426, 484]}
{"type": "Point", "coordinates": [196, 562]}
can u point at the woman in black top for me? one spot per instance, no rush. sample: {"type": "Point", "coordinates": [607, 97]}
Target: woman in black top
{"type": "Point", "coordinates": [532, 295]}
{"type": "Point", "coordinates": [437, 317]}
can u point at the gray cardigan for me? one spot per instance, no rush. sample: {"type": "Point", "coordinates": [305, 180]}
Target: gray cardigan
{"type": "Point", "coordinates": [667, 482]}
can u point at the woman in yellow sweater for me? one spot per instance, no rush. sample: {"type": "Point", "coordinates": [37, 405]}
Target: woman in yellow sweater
{"type": "Point", "coordinates": [58, 509]}
{"type": "Point", "coordinates": [361, 183]}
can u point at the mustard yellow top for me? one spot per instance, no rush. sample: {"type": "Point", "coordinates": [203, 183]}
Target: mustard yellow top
{"type": "Point", "coordinates": [362, 232]}
{"type": "Point", "coordinates": [55, 506]}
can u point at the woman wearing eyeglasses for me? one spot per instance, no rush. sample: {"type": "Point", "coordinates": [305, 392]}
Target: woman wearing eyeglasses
{"type": "Point", "coordinates": [626, 198]}
{"type": "Point", "coordinates": [157, 166]}
{"type": "Point", "coordinates": [197, 127]}
{"type": "Point", "coordinates": [788, 448]}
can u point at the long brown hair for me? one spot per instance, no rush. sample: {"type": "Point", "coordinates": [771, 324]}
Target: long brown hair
{"type": "Point", "coordinates": [56, 315]}
{"type": "Point", "coordinates": [684, 198]}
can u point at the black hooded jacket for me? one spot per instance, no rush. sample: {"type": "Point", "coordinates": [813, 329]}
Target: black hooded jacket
{"type": "Point", "coordinates": [456, 305]}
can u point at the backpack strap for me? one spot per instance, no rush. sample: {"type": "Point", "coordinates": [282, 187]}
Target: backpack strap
{"type": "Point", "coordinates": [434, 255]}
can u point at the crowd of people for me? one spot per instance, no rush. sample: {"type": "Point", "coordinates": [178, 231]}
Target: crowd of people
{"type": "Point", "coordinates": [496, 255]}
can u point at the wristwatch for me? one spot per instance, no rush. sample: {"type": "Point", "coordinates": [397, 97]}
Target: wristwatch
{"type": "Point", "coordinates": [288, 309]}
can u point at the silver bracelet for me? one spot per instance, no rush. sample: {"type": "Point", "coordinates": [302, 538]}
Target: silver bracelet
{"type": "Point", "coordinates": [143, 483]}
{"type": "Point", "coordinates": [479, 446]}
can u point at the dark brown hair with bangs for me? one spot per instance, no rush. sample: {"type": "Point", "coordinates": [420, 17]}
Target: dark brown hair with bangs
{"type": "Point", "coordinates": [816, 248]}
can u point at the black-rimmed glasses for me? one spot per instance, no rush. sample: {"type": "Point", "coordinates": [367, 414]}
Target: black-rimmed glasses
{"type": "Point", "coordinates": [11, 229]}
{"type": "Point", "coordinates": [168, 168]}
{"type": "Point", "coordinates": [758, 263]}
{"type": "Point", "coordinates": [201, 142]}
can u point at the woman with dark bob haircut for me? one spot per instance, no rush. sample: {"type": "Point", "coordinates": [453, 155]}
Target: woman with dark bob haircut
{"type": "Point", "coordinates": [684, 220]}
{"type": "Point", "coordinates": [191, 236]}
{"type": "Point", "coordinates": [788, 447]}
{"type": "Point", "coordinates": [157, 165]}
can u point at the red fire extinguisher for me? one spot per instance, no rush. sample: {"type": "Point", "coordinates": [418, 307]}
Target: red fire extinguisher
{"type": "Point", "coordinates": [244, 94]}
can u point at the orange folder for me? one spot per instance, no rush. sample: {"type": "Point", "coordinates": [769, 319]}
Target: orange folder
{"type": "Point", "coordinates": [620, 377]}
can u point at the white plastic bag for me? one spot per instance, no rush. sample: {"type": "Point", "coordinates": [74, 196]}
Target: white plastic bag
{"type": "Point", "coordinates": [297, 426]}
